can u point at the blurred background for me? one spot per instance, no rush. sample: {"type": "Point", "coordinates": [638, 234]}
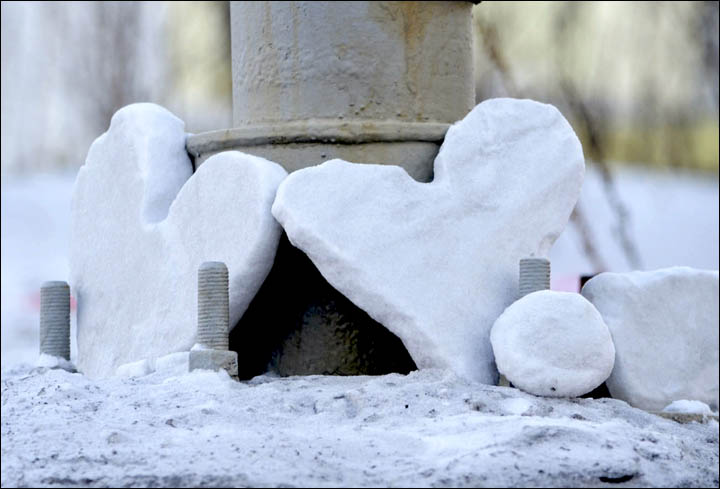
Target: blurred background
{"type": "Point", "coordinates": [638, 82]}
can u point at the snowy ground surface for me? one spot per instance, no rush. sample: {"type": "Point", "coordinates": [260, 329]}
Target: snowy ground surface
{"type": "Point", "coordinates": [425, 429]}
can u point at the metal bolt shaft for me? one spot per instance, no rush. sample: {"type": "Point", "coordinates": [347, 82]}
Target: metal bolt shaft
{"type": "Point", "coordinates": [534, 275]}
{"type": "Point", "coordinates": [213, 306]}
{"type": "Point", "coordinates": [55, 319]}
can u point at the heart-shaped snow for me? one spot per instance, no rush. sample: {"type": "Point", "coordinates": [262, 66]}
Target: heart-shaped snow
{"type": "Point", "coordinates": [437, 263]}
{"type": "Point", "coordinates": [142, 223]}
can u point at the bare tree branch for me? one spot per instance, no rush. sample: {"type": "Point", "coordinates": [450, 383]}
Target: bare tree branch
{"type": "Point", "coordinates": [495, 53]}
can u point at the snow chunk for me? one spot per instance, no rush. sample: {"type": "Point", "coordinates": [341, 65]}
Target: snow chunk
{"type": "Point", "coordinates": [175, 363]}
{"type": "Point", "coordinates": [171, 364]}
{"type": "Point", "coordinates": [686, 406]}
{"type": "Point", "coordinates": [141, 226]}
{"type": "Point", "coordinates": [553, 344]}
{"type": "Point", "coordinates": [51, 361]}
{"type": "Point", "coordinates": [437, 263]}
{"type": "Point", "coordinates": [136, 369]}
{"type": "Point", "coordinates": [517, 406]}
{"type": "Point", "coordinates": [664, 324]}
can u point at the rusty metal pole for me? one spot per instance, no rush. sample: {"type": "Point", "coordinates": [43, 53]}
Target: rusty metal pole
{"type": "Point", "coordinates": [368, 82]}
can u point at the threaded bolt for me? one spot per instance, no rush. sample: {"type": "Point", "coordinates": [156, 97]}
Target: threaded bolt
{"type": "Point", "coordinates": [55, 319]}
{"type": "Point", "coordinates": [534, 275]}
{"type": "Point", "coordinates": [213, 306]}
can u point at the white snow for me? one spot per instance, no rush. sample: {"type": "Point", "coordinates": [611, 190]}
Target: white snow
{"type": "Point", "coordinates": [427, 429]}
{"type": "Point", "coordinates": [135, 369]}
{"type": "Point", "coordinates": [141, 226]}
{"type": "Point", "coordinates": [664, 326]}
{"type": "Point", "coordinates": [553, 344]}
{"type": "Point", "coordinates": [437, 263]}
{"type": "Point", "coordinates": [176, 363]}
{"type": "Point", "coordinates": [51, 361]}
{"type": "Point", "coordinates": [687, 406]}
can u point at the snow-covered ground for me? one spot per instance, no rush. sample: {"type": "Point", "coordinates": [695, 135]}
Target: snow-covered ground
{"type": "Point", "coordinates": [425, 429]}
{"type": "Point", "coordinates": [428, 428]}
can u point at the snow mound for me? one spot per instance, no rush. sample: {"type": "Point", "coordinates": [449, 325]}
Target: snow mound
{"type": "Point", "coordinates": [437, 263]}
{"type": "Point", "coordinates": [553, 344]}
{"type": "Point", "coordinates": [427, 429]}
{"type": "Point", "coordinates": [664, 324]}
{"type": "Point", "coordinates": [686, 406]}
{"type": "Point", "coordinates": [142, 223]}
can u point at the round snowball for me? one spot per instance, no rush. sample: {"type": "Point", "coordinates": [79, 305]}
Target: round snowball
{"type": "Point", "coordinates": [553, 344]}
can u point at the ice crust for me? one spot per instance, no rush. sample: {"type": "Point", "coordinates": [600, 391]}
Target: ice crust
{"type": "Point", "coordinates": [437, 263]}
{"type": "Point", "coordinates": [664, 324]}
{"type": "Point", "coordinates": [553, 344]}
{"type": "Point", "coordinates": [142, 223]}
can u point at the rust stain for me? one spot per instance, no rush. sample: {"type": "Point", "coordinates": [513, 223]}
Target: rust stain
{"type": "Point", "coordinates": [416, 16]}
{"type": "Point", "coordinates": [295, 76]}
{"type": "Point", "coordinates": [266, 65]}
{"type": "Point", "coordinates": [410, 20]}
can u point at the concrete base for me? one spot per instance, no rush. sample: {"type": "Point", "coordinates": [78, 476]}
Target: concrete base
{"type": "Point", "coordinates": [214, 360]}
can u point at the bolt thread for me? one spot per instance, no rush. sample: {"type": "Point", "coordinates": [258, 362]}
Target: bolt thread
{"type": "Point", "coordinates": [55, 319]}
{"type": "Point", "coordinates": [534, 275]}
{"type": "Point", "coordinates": [213, 306]}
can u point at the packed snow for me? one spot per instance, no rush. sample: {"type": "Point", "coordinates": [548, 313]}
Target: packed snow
{"type": "Point", "coordinates": [664, 325]}
{"type": "Point", "coordinates": [436, 263]}
{"type": "Point", "coordinates": [429, 428]}
{"type": "Point", "coordinates": [142, 223]}
{"type": "Point", "coordinates": [553, 344]}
